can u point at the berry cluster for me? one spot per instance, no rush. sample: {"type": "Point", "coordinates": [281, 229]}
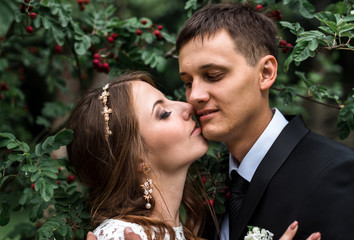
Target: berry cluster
{"type": "Point", "coordinates": [82, 4]}
{"type": "Point", "coordinates": [276, 15]}
{"type": "Point", "coordinates": [157, 32]}
{"type": "Point", "coordinates": [3, 87]}
{"type": "Point", "coordinates": [285, 46]}
{"type": "Point", "coordinates": [112, 37]}
{"type": "Point", "coordinates": [26, 8]}
{"type": "Point", "coordinates": [100, 64]}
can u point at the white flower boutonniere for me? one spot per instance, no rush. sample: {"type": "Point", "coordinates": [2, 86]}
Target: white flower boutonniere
{"type": "Point", "coordinates": [256, 233]}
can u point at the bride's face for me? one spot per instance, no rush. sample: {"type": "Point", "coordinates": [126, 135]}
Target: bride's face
{"type": "Point", "coordinates": [168, 128]}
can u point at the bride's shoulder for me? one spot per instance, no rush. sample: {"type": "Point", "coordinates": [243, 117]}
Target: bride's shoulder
{"type": "Point", "coordinates": [114, 229]}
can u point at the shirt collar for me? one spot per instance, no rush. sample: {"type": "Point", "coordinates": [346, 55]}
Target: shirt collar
{"type": "Point", "coordinates": [255, 155]}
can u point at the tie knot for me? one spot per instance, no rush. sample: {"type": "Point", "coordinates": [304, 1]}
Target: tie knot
{"type": "Point", "coordinates": [238, 184]}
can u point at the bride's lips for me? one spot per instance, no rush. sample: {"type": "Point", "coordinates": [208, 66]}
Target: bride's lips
{"type": "Point", "coordinates": [196, 130]}
{"type": "Point", "coordinates": [206, 114]}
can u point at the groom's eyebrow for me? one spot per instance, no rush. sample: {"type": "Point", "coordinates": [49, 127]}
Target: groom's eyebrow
{"type": "Point", "coordinates": [160, 101]}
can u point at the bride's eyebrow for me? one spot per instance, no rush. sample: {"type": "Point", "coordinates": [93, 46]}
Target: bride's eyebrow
{"type": "Point", "coordinates": [160, 101]}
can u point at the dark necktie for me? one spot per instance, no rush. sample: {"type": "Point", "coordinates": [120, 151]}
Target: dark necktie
{"type": "Point", "coordinates": [238, 188]}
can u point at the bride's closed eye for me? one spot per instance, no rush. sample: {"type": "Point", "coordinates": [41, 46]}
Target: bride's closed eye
{"type": "Point", "coordinates": [165, 115]}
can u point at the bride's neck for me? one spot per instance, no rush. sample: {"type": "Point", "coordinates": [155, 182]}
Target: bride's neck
{"type": "Point", "coordinates": [167, 193]}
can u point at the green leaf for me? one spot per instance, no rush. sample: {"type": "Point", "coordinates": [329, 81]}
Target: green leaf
{"type": "Point", "coordinates": [46, 23]}
{"type": "Point", "coordinates": [58, 35]}
{"type": "Point", "coordinates": [313, 44]}
{"type": "Point", "coordinates": [64, 137]}
{"type": "Point", "coordinates": [301, 51]}
{"type": "Point", "coordinates": [29, 168]}
{"type": "Point", "coordinates": [46, 188]}
{"type": "Point", "coordinates": [3, 64]}
{"type": "Point", "coordinates": [6, 15]}
{"type": "Point", "coordinates": [4, 142]}
{"type": "Point", "coordinates": [35, 176]}
{"type": "Point", "coordinates": [12, 145]}
{"type": "Point", "coordinates": [38, 149]}
{"type": "Point", "coordinates": [24, 146]}
{"type": "Point", "coordinates": [4, 214]}
{"type": "Point", "coordinates": [8, 135]}
{"type": "Point", "coordinates": [3, 179]}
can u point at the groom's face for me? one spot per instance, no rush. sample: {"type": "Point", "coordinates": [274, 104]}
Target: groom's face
{"type": "Point", "coordinates": [220, 84]}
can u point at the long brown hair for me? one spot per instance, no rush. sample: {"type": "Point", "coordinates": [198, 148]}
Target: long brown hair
{"type": "Point", "coordinates": [109, 166]}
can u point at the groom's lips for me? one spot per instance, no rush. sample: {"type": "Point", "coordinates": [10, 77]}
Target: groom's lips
{"type": "Point", "coordinates": [206, 114]}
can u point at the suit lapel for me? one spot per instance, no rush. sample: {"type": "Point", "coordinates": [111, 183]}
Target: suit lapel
{"type": "Point", "coordinates": [272, 161]}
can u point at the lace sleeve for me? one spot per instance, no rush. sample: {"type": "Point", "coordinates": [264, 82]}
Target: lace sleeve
{"type": "Point", "coordinates": [113, 229]}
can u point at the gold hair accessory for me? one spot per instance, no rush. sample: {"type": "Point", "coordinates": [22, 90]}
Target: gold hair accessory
{"type": "Point", "coordinates": [147, 187]}
{"type": "Point", "coordinates": [106, 111]}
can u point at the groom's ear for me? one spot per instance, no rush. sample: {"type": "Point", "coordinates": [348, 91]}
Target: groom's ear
{"type": "Point", "coordinates": [268, 67]}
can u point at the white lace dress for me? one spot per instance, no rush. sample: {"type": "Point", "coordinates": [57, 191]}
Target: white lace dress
{"type": "Point", "coordinates": [113, 229]}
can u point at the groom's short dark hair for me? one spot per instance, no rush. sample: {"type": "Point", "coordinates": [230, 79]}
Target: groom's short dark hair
{"type": "Point", "coordinates": [253, 33]}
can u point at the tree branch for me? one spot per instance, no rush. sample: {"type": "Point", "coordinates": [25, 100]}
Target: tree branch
{"type": "Point", "coordinates": [311, 99]}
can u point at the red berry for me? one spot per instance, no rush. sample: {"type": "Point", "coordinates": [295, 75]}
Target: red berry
{"type": "Point", "coordinates": [4, 87]}
{"type": "Point", "coordinates": [33, 50]}
{"type": "Point", "coordinates": [96, 62]}
{"type": "Point", "coordinates": [276, 14]}
{"type": "Point", "coordinates": [282, 43]}
{"type": "Point", "coordinates": [58, 49]}
{"type": "Point", "coordinates": [111, 39]}
{"type": "Point", "coordinates": [114, 35]}
{"type": "Point", "coordinates": [204, 179]}
{"type": "Point", "coordinates": [259, 7]}
{"type": "Point", "coordinates": [33, 185]}
{"type": "Point", "coordinates": [138, 32]}
{"type": "Point", "coordinates": [143, 21]}
{"type": "Point", "coordinates": [228, 195]}
{"type": "Point", "coordinates": [33, 15]}
{"type": "Point", "coordinates": [159, 27]}
{"type": "Point", "coordinates": [59, 169]}
{"type": "Point", "coordinates": [157, 34]}
{"type": "Point", "coordinates": [29, 29]}
{"type": "Point", "coordinates": [27, 1]}
{"type": "Point", "coordinates": [289, 45]}
{"type": "Point", "coordinates": [105, 67]}
{"type": "Point", "coordinates": [70, 179]}
{"type": "Point", "coordinates": [0, 96]}
{"type": "Point", "coordinates": [58, 182]}
{"type": "Point", "coordinates": [284, 50]}
{"type": "Point", "coordinates": [82, 7]}
{"type": "Point", "coordinates": [86, 2]}
{"type": "Point", "coordinates": [80, 2]}
{"type": "Point", "coordinates": [211, 202]}
{"type": "Point", "coordinates": [96, 56]}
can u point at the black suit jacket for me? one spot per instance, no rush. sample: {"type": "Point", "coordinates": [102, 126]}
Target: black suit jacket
{"type": "Point", "coordinates": [304, 177]}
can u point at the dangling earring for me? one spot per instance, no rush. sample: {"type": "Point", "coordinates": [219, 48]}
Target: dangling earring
{"type": "Point", "coordinates": [147, 186]}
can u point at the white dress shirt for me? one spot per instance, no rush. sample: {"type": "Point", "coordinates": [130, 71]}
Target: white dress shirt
{"type": "Point", "coordinates": [254, 157]}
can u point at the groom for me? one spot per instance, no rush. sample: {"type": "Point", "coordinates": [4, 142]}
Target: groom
{"type": "Point", "coordinates": [228, 62]}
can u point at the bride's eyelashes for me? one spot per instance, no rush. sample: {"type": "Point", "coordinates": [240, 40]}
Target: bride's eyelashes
{"type": "Point", "coordinates": [165, 115]}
